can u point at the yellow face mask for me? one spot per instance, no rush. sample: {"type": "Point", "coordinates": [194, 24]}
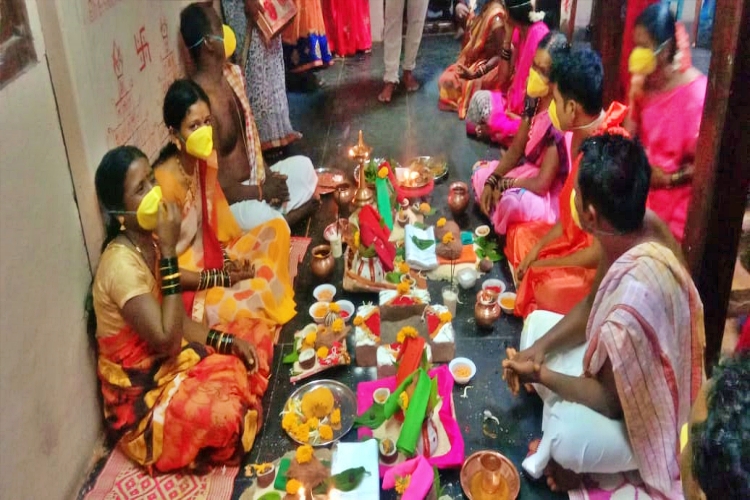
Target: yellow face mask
{"type": "Point", "coordinates": [230, 41]}
{"type": "Point", "coordinates": [536, 86]}
{"type": "Point", "coordinates": [148, 209]}
{"type": "Point", "coordinates": [552, 112]}
{"type": "Point", "coordinates": [642, 60]}
{"type": "Point", "coordinates": [201, 142]}
{"type": "Point", "coordinates": [573, 209]}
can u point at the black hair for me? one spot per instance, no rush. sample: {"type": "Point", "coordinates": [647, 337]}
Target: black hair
{"type": "Point", "coordinates": [194, 26]}
{"type": "Point", "coordinates": [721, 444]}
{"type": "Point", "coordinates": [555, 43]}
{"type": "Point", "coordinates": [614, 177]}
{"type": "Point", "coordinates": [659, 21]}
{"type": "Point", "coordinates": [519, 11]}
{"type": "Point", "coordinates": [180, 96]}
{"type": "Point", "coordinates": [579, 76]}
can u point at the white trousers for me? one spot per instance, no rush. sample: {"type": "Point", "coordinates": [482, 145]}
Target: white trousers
{"type": "Point", "coordinates": [416, 12]}
{"type": "Point", "coordinates": [301, 181]}
{"type": "Point", "coordinates": [573, 435]}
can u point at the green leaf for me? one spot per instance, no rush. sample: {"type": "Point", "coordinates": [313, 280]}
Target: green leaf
{"type": "Point", "coordinates": [291, 357]}
{"type": "Point", "coordinates": [393, 277]}
{"type": "Point", "coordinates": [401, 252]}
{"type": "Point", "coordinates": [494, 256]}
{"type": "Point", "coordinates": [419, 225]}
{"type": "Point", "coordinates": [422, 244]}
{"type": "Point", "coordinates": [347, 480]}
{"type": "Point", "coordinates": [271, 495]}
{"type": "Point", "coordinates": [431, 212]}
{"type": "Point", "coordinates": [480, 253]}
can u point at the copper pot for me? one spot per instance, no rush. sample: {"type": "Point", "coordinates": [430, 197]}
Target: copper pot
{"type": "Point", "coordinates": [322, 262]}
{"type": "Point", "coordinates": [486, 310]}
{"type": "Point", "coordinates": [458, 197]}
{"type": "Point", "coordinates": [344, 195]}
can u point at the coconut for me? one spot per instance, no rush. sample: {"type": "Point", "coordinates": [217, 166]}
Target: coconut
{"type": "Point", "coordinates": [486, 265]}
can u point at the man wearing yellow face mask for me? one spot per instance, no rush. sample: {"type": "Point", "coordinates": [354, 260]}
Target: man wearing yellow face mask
{"type": "Point", "coordinates": [617, 384]}
{"type": "Point", "coordinates": [665, 110]}
{"type": "Point", "coordinates": [255, 192]}
{"type": "Point", "coordinates": [556, 263]}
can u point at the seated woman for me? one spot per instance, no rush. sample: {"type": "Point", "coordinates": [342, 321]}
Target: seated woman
{"type": "Point", "coordinates": [497, 114]}
{"type": "Point", "coordinates": [479, 65]}
{"type": "Point", "coordinates": [666, 106]}
{"type": "Point", "coordinates": [525, 184]}
{"type": "Point", "coordinates": [176, 393]}
{"type": "Point", "coordinates": [229, 274]}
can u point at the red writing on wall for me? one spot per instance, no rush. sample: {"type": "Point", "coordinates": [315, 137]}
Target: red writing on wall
{"type": "Point", "coordinates": [142, 48]}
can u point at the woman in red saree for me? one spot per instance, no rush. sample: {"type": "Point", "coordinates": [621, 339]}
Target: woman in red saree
{"type": "Point", "coordinates": [347, 26]}
{"type": "Point", "coordinates": [479, 65]}
{"type": "Point", "coordinates": [666, 108]}
{"type": "Point", "coordinates": [170, 400]}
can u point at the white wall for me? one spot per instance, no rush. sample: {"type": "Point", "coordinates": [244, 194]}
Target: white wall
{"type": "Point", "coordinates": [50, 417]}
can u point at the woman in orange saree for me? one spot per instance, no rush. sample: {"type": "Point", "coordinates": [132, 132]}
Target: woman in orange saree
{"type": "Point", "coordinates": [479, 64]}
{"type": "Point", "coordinates": [229, 276]}
{"type": "Point", "coordinates": [171, 400]}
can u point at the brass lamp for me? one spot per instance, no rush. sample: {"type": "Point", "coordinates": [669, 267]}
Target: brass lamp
{"type": "Point", "coordinates": [361, 154]}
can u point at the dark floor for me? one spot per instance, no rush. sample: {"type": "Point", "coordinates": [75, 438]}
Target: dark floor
{"type": "Point", "coordinates": [410, 125]}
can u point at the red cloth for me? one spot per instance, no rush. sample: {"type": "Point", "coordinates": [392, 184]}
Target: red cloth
{"type": "Point", "coordinates": [557, 289]}
{"type": "Point", "coordinates": [744, 343]}
{"type": "Point", "coordinates": [373, 233]}
{"type": "Point", "coordinates": [347, 26]}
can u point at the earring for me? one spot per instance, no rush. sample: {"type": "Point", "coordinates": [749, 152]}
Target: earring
{"type": "Point", "coordinates": [122, 224]}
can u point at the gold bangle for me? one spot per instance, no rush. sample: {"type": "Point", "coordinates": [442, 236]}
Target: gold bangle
{"type": "Point", "coordinates": [171, 276]}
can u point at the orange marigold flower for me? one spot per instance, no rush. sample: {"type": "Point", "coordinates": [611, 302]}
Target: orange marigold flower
{"type": "Point", "coordinates": [424, 207]}
{"type": "Point", "coordinates": [447, 238]}
{"type": "Point", "coordinates": [336, 417]}
{"type": "Point", "coordinates": [403, 268]}
{"type": "Point", "coordinates": [402, 483]}
{"type": "Point", "coordinates": [326, 432]}
{"type": "Point", "coordinates": [383, 172]}
{"type": "Point", "coordinates": [310, 339]}
{"type": "Point", "coordinates": [334, 307]}
{"type": "Point", "coordinates": [445, 316]}
{"type": "Point", "coordinates": [358, 320]}
{"type": "Point", "coordinates": [403, 288]}
{"type": "Point", "coordinates": [322, 352]}
{"type": "Point", "coordinates": [304, 453]}
{"type": "Point", "coordinates": [338, 325]}
{"type": "Point", "coordinates": [293, 486]}
{"type": "Point", "coordinates": [406, 332]}
{"type": "Point", "coordinates": [441, 222]}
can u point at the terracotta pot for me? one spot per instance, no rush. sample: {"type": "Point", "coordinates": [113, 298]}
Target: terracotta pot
{"type": "Point", "coordinates": [486, 310]}
{"type": "Point", "coordinates": [266, 478]}
{"type": "Point", "coordinates": [322, 262]}
{"type": "Point", "coordinates": [458, 197]}
{"type": "Point", "coordinates": [369, 268]}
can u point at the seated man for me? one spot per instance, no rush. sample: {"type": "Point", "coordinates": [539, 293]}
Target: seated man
{"type": "Point", "coordinates": [619, 373]}
{"type": "Point", "coordinates": [256, 193]}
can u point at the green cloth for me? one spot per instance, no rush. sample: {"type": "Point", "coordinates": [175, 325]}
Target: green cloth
{"type": "Point", "coordinates": [379, 413]}
{"type": "Point", "coordinates": [384, 202]}
{"type": "Point", "coordinates": [415, 415]}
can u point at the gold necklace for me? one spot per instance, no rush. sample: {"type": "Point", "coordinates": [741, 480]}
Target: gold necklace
{"type": "Point", "coordinates": [143, 256]}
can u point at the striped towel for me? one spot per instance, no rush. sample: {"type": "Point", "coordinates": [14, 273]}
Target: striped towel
{"type": "Point", "coordinates": [299, 245]}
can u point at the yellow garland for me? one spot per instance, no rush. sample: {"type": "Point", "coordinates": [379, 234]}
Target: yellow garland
{"type": "Point", "coordinates": [337, 326]}
{"type": "Point", "coordinates": [322, 352]}
{"type": "Point", "coordinates": [336, 417]}
{"type": "Point", "coordinates": [405, 332]}
{"type": "Point", "coordinates": [402, 483]}
{"type": "Point", "coordinates": [447, 238]}
{"type": "Point", "coordinates": [334, 307]}
{"type": "Point", "coordinates": [304, 453]}
{"type": "Point", "coordinates": [310, 338]}
{"type": "Point", "coordinates": [441, 222]}
{"type": "Point", "coordinates": [403, 288]}
{"type": "Point", "coordinates": [403, 400]}
{"type": "Point", "coordinates": [383, 172]}
{"type": "Point", "coordinates": [358, 320]}
{"type": "Point", "coordinates": [403, 268]}
{"type": "Point", "coordinates": [326, 432]}
{"type": "Point", "coordinates": [446, 317]}
{"type": "Point", "coordinates": [293, 486]}
{"type": "Point", "coordinates": [424, 207]}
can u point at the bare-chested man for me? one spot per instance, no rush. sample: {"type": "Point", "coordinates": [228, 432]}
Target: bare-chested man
{"type": "Point", "coordinates": [256, 192]}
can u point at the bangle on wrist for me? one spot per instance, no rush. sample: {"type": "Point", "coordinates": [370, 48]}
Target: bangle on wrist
{"type": "Point", "coordinates": [212, 338]}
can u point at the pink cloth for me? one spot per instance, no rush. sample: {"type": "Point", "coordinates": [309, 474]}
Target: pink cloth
{"type": "Point", "coordinates": [422, 477]}
{"type": "Point", "coordinates": [669, 124]}
{"type": "Point", "coordinates": [502, 128]}
{"type": "Point", "coordinates": [647, 320]}
{"type": "Point", "coordinates": [520, 205]}
{"type": "Point", "coordinates": [455, 457]}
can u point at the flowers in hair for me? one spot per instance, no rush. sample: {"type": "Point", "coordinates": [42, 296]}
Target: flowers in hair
{"type": "Point", "coordinates": [535, 16]}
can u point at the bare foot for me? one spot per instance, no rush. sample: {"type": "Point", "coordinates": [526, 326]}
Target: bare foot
{"type": "Point", "coordinates": [387, 92]}
{"type": "Point", "coordinates": [411, 83]}
{"type": "Point", "coordinates": [559, 479]}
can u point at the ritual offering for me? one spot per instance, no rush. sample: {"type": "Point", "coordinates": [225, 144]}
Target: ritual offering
{"type": "Point", "coordinates": [462, 369]}
{"type": "Point", "coordinates": [317, 348]}
{"type": "Point", "coordinates": [507, 302]}
{"type": "Point", "coordinates": [319, 413]}
{"type": "Point", "coordinates": [494, 286]}
{"type": "Point", "coordinates": [329, 179]}
{"type": "Point", "coordinates": [324, 293]}
{"type": "Point", "coordinates": [436, 166]}
{"type": "Point", "coordinates": [322, 261]}
{"type": "Point", "coordinates": [490, 475]}
{"type": "Point", "coordinates": [486, 309]}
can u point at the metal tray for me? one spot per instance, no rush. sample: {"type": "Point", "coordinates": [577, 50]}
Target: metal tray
{"type": "Point", "coordinates": [343, 398]}
{"type": "Point", "coordinates": [329, 178]}
{"type": "Point", "coordinates": [436, 165]}
{"type": "Point", "coordinates": [508, 471]}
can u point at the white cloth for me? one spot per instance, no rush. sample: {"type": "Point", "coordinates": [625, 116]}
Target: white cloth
{"type": "Point", "coordinates": [575, 436]}
{"type": "Point", "coordinates": [416, 257]}
{"type": "Point", "coordinates": [416, 12]}
{"type": "Point", "coordinates": [301, 181]}
{"type": "Point", "coordinates": [362, 454]}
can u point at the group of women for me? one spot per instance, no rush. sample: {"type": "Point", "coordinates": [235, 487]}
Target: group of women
{"type": "Point", "coordinates": [500, 86]}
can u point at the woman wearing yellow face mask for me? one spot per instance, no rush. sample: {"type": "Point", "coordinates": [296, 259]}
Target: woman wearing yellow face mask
{"type": "Point", "coordinates": [666, 105]}
{"type": "Point", "coordinates": [163, 376]}
{"type": "Point", "coordinates": [228, 276]}
{"type": "Point", "coordinates": [524, 185]}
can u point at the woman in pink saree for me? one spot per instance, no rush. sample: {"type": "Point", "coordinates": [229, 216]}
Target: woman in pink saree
{"type": "Point", "coordinates": [524, 185]}
{"type": "Point", "coordinates": [666, 106]}
{"type": "Point", "coordinates": [497, 114]}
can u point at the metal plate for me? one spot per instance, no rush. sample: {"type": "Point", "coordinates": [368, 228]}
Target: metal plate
{"type": "Point", "coordinates": [329, 178]}
{"type": "Point", "coordinates": [508, 472]}
{"type": "Point", "coordinates": [343, 398]}
{"type": "Point", "coordinates": [436, 165]}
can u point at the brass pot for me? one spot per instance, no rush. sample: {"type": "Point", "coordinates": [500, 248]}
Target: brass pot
{"type": "Point", "coordinates": [458, 197]}
{"type": "Point", "coordinates": [344, 195]}
{"type": "Point", "coordinates": [322, 262]}
{"type": "Point", "coordinates": [486, 310]}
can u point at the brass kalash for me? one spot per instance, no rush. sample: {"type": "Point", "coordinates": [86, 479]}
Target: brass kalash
{"type": "Point", "coordinates": [361, 154]}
